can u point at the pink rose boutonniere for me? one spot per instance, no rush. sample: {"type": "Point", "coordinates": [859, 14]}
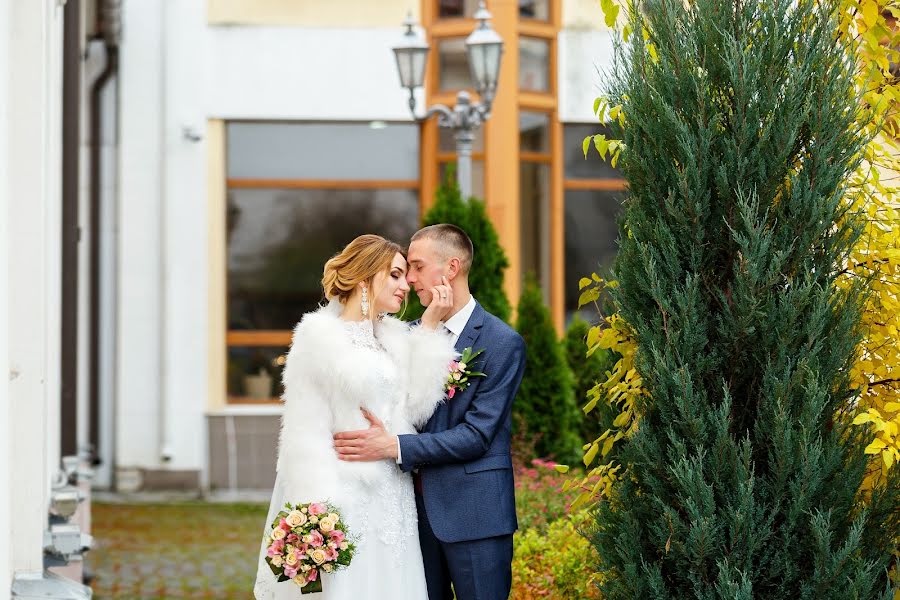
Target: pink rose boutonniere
{"type": "Point", "coordinates": [459, 375]}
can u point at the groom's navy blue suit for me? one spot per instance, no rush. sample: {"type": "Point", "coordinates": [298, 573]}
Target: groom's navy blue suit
{"type": "Point", "coordinates": [465, 492]}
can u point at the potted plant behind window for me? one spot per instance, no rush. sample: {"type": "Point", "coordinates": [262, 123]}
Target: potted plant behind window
{"type": "Point", "coordinates": [258, 382]}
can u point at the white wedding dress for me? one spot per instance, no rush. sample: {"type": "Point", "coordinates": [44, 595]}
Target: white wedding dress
{"type": "Point", "coordinates": [333, 368]}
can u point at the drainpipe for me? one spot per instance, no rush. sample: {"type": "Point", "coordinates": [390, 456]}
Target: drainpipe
{"type": "Point", "coordinates": [71, 120]}
{"type": "Point", "coordinates": [164, 434]}
{"type": "Point", "coordinates": [110, 28]}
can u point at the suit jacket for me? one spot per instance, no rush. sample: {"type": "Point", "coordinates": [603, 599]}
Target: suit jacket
{"type": "Point", "coordinates": [463, 451]}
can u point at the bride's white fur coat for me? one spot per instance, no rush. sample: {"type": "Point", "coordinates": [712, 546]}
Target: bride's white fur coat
{"type": "Point", "coordinates": [327, 378]}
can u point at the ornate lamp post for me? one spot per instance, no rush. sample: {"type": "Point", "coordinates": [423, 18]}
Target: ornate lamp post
{"type": "Point", "coordinates": [484, 49]}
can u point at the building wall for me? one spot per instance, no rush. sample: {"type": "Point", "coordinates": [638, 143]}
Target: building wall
{"type": "Point", "coordinates": [584, 55]}
{"type": "Point", "coordinates": [303, 73]}
{"type": "Point", "coordinates": [582, 14]}
{"type": "Point", "coordinates": [311, 13]}
{"type": "Point", "coordinates": [192, 63]}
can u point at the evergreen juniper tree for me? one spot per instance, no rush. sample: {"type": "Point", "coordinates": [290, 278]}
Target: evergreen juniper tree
{"type": "Point", "coordinates": [743, 479]}
{"type": "Point", "coordinates": [486, 275]}
{"type": "Point", "coordinates": [545, 405]}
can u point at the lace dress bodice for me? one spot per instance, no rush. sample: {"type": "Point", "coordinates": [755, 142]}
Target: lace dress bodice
{"type": "Point", "coordinates": [387, 507]}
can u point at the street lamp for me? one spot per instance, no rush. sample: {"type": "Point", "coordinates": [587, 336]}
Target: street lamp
{"type": "Point", "coordinates": [484, 49]}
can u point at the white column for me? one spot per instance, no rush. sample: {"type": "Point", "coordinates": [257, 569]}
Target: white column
{"type": "Point", "coordinates": [5, 487]}
{"type": "Point", "coordinates": [140, 376]}
{"type": "Point", "coordinates": [33, 220]}
{"type": "Point", "coordinates": [162, 298]}
{"type": "Point", "coordinates": [185, 233]}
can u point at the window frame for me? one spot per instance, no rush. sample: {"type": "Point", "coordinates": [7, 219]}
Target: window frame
{"type": "Point", "coordinates": [221, 337]}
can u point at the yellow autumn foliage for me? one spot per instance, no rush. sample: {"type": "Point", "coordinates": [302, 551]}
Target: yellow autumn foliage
{"type": "Point", "coordinates": [876, 258]}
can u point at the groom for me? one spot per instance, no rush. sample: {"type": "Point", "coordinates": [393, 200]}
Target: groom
{"type": "Point", "coordinates": [461, 463]}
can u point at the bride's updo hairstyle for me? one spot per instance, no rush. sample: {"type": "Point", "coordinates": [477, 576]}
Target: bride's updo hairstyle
{"type": "Point", "coordinates": [359, 261]}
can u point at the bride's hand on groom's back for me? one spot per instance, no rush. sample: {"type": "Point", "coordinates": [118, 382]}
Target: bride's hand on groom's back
{"type": "Point", "coordinates": [440, 305]}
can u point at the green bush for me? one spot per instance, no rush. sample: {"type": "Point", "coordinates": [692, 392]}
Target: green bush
{"type": "Point", "coordinates": [545, 405]}
{"type": "Point", "coordinates": [555, 563]}
{"type": "Point", "coordinates": [486, 276]}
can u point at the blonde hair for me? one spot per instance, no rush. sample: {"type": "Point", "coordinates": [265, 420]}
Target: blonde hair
{"type": "Point", "coordinates": [359, 261]}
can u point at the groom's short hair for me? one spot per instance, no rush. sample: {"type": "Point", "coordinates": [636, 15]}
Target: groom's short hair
{"type": "Point", "coordinates": [452, 240]}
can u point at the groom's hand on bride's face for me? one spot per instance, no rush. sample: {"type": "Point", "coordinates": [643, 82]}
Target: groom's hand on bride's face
{"type": "Point", "coordinates": [374, 443]}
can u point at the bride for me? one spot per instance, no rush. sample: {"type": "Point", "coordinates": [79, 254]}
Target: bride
{"type": "Point", "coordinates": [345, 357]}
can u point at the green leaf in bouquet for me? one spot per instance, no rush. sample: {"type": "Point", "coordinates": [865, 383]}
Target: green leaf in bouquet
{"type": "Point", "coordinates": [313, 587]}
{"type": "Point", "coordinates": [275, 570]}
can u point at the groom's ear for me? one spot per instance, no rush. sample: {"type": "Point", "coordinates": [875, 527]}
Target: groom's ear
{"type": "Point", "coordinates": [453, 267]}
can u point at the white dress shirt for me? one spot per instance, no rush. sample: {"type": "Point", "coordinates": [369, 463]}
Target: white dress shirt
{"type": "Point", "coordinates": [455, 326]}
{"type": "Point", "coordinates": [458, 322]}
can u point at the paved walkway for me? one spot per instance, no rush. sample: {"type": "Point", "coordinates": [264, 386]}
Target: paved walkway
{"type": "Point", "coordinates": [181, 549]}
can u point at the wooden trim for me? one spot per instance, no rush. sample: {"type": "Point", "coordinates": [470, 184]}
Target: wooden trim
{"type": "Point", "coordinates": [605, 185]}
{"type": "Point", "coordinates": [554, 64]}
{"type": "Point", "coordinates": [537, 29]}
{"type": "Point", "coordinates": [556, 13]}
{"type": "Point", "coordinates": [557, 227]}
{"type": "Point", "coordinates": [429, 170]}
{"type": "Point", "coordinates": [450, 28]}
{"type": "Point", "coordinates": [502, 193]}
{"type": "Point", "coordinates": [429, 11]}
{"type": "Point", "coordinates": [557, 175]}
{"type": "Point", "coordinates": [431, 65]}
{"type": "Point", "coordinates": [540, 101]}
{"type": "Point", "coordinates": [444, 97]}
{"type": "Point", "coordinates": [538, 157]}
{"type": "Point", "coordinates": [249, 400]}
{"type": "Point", "coordinates": [325, 184]}
{"type": "Point", "coordinates": [259, 337]}
{"type": "Point", "coordinates": [217, 313]}
{"type": "Point", "coordinates": [443, 157]}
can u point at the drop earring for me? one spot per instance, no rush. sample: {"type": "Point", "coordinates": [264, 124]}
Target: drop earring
{"type": "Point", "coordinates": [364, 305]}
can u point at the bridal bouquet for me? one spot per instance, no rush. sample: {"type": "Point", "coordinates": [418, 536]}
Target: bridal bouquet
{"type": "Point", "coordinates": [306, 541]}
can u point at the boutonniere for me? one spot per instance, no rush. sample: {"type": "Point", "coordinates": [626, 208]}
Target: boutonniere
{"type": "Point", "coordinates": [459, 376]}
